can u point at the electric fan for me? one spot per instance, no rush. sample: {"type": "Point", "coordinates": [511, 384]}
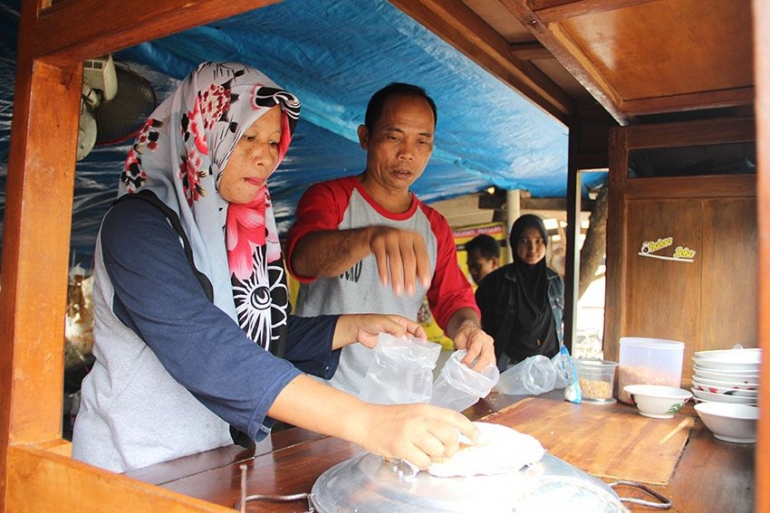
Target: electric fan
{"type": "Point", "coordinates": [115, 104]}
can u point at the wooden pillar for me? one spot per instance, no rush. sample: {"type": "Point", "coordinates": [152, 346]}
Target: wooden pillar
{"type": "Point", "coordinates": [572, 263]}
{"type": "Point", "coordinates": [762, 80]}
{"type": "Point", "coordinates": [513, 212]}
{"type": "Point", "coordinates": [41, 176]}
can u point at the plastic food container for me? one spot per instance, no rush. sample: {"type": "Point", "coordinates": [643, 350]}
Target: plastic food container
{"type": "Point", "coordinates": [596, 379]}
{"type": "Point", "coordinates": [649, 361]}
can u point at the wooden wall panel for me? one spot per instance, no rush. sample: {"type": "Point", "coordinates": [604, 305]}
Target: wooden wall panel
{"type": "Point", "coordinates": [730, 284]}
{"type": "Point", "coordinates": [707, 304]}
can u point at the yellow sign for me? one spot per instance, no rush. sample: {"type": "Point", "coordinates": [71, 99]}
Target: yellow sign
{"type": "Point", "coordinates": [681, 254]}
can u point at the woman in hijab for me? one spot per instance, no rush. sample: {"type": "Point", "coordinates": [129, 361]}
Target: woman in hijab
{"type": "Point", "coordinates": [193, 337]}
{"type": "Point", "coordinates": [522, 303]}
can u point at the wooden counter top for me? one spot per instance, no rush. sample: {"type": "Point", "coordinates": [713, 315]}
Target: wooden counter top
{"type": "Point", "coordinates": [709, 475]}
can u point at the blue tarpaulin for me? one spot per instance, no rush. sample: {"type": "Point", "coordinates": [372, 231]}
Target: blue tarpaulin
{"type": "Point", "coordinates": [333, 55]}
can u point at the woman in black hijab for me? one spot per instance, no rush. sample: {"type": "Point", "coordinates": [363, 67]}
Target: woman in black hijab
{"type": "Point", "coordinates": [522, 303]}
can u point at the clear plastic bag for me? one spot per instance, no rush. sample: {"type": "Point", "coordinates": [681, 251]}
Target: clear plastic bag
{"type": "Point", "coordinates": [401, 371]}
{"type": "Point", "coordinates": [458, 386]}
{"type": "Point", "coordinates": [532, 376]}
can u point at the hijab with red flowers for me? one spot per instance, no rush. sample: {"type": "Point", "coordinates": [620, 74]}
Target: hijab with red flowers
{"type": "Point", "coordinates": [181, 154]}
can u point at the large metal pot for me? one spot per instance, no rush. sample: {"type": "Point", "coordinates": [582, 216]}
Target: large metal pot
{"type": "Point", "coordinates": [369, 484]}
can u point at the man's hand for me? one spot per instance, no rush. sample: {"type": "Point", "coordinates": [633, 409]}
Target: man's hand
{"type": "Point", "coordinates": [401, 255]}
{"type": "Point", "coordinates": [366, 328]}
{"type": "Point", "coordinates": [402, 258]}
{"type": "Point", "coordinates": [467, 334]}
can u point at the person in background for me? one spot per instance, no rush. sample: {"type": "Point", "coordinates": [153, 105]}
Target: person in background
{"type": "Point", "coordinates": [191, 303]}
{"type": "Point", "coordinates": [522, 303]}
{"type": "Point", "coordinates": [367, 243]}
{"type": "Point", "coordinates": [483, 256]}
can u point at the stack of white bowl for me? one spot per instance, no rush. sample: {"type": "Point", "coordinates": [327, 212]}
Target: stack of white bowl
{"type": "Point", "coordinates": [727, 375]}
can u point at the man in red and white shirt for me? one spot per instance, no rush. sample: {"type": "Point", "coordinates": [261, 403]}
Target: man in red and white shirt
{"type": "Point", "coordinates": [367, 244]}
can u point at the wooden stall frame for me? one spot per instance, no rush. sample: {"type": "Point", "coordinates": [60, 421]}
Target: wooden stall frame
{"type": "Point", "coordinates": [36, 473]}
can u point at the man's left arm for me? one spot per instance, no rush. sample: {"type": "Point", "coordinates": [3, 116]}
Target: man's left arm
{"type": "Point", "coordinates": [452, 301]}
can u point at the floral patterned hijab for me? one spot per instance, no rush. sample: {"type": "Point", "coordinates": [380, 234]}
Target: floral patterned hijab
{"type": "Point", "coordinates": [180, 155]}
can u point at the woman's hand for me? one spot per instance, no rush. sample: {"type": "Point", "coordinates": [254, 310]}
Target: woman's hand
{"type": "Point", "coordinates": [417, 433]}
{"type": "Point", "coordinates": [365, 328]}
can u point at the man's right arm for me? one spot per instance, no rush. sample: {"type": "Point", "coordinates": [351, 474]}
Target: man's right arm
{"type": "Point", "coordinates": [314, 246]}
{"type": "Point", "coordinates": [317, 249]}
{"type": "Point", "coordinates": [402, 257]}
{"type": "Point", "coordinates": [328, 253]}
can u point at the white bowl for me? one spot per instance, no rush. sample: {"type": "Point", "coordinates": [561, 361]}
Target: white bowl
{"type": "Point", "coordinates": [748, 355]}
{"type": "Point", "coordinates": [722, 398]}
{"type": "Point", "coordinates": [657, 401]}
{"type": "Point", "coordinates": [730, 422]}
{"type": "Point", "coordinates": [740, 384]}
{"type": "Point", "coordinates": [726, 375]}
{"type": "Point", "coordinates": [727, 366]}
{"type": "Point", "coordinates": [716, 389]}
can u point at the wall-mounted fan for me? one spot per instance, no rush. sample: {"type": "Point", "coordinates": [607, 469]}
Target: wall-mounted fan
{"type": "Point", "coordinates": [115, 104]}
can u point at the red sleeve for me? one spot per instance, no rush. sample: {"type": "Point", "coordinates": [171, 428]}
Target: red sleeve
{"type": "Point", "coordinates": [321, 207]}
{"type": "Point", "coordinates": [450, 289]}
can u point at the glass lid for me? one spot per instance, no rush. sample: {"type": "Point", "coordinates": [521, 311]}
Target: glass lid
{"type": "Point", "coordinates": [371, 484]}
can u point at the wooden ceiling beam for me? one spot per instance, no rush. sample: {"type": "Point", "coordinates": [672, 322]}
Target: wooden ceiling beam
{"type": "Point", "coordinates": [685, 102]}
{"type": "Point", "coordinates": [459, 26]}
{"type": "Point", "coordinates": [551, 204]}
{"type": "Point", "coordinates": [82, 29]}
{"type": "Point", "coordinates": [552, 11]}
{"type": "Point", "coordinates": [695, 133]}
{"type": "Point", "coordinates": [530, 51]}
{"type": "Point", "coordinates": [569, 55]}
